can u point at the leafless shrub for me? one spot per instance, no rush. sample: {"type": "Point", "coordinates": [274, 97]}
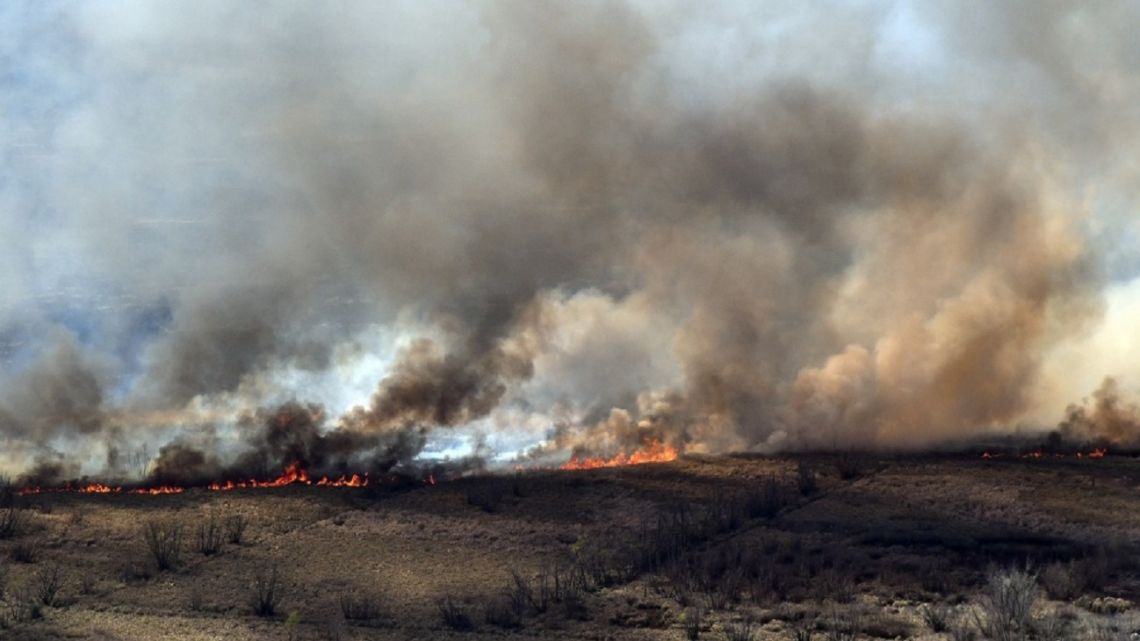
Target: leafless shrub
{"type": "Point", "coordinates": [46, 584]}
{"type": "Point", "coordinates": [961, 626]}
{"type": "Point", "coordinates": [454, 614]}
{"type": "Point", "coordinates": [501, 611]}
{"type": "Point", "coordinates": [13, 521]}
{"type": "Point", "coordinates": [1054, 626]}
{"type": "Point", "coordinates": [235, 528]}
{"type": "Point", "coordinates": [1007, 605]}
{"type": "Point", "coordinates": [849, 467]}
{"type": "Point", "coordinates": [208, 536]}
{"type": "Point", "coordinates": [87, 583]}
{"type": "Point", "coordinates": [1069, 581]}
{"type": "Point", "coordinates": [164, 541]}
{"type": "Point", "coordinates": [197, 598]}
{"type": "Point", "coordinates": [24, 551]}
{"type": "Point", "coordinates": [937, 616]}
{"type": "Point", "coordinates": [691, 619]}
{"type": "Point", "coordinates": [740, 630]}
{"type": "Point", "coordinates": [132, 570]}
{"type": "Point", "coordinates": [23, 607]}
{"type": "Point", "coordinates": [841, 626]}
{"type": "Point", "coordinates": [266, 591]}
{"type": "Point", "coordinates": [806, 480]}
{"type": "Point", "coordinates": [800, 628]}
{"type": "Point", "coordinates": [359, 606]}
{"type": "Point", "coordinates": [487, 497]}
{"type": "Point", "coordinates": [766, 500]}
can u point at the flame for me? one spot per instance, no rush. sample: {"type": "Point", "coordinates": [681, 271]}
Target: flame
{"type": "Point", "coordinates": [1099, 452]}
{"type": "Point", "coordinates": [653, 451]}
{"type": "Point", "coordinates": [293, 473]}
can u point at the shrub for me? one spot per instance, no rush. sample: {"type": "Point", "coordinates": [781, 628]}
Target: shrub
{"type": "Point", "coordinates": [1054, 627]}
{"type": "Point", "coordinates": [501, 611]}
{"type": "Point", "coordinates": [1069, 581]}
{"type": "Point", "coordinates": [937, 617]}
{"type": "Point", "coordinates": [24, 552]}
{"type": "Point", "coordinates": [486, 497]}
{"type": "Point", "coordinates": [266, 594]}
{"type": "Point", "coordinates": [1007, 605]}
{"type": "Point", "coordinates": [740, 630]}
{"type": "Point", "coordinates": [765, 500]}
{"type": "Point", "coordinates": [849, 467]}
{"type": "Point", "coordinates": [691, 620]}
{"type": "Point", "coordinates": [13, 521]}
{"type": "Point", "coordinates": [235, 528]}
{"type": "Point", "coordinates": [805, 479]}
{"type": "Point", "coordinates": [454, 615]}
{"type": "Point", "coordinates": [358, 606]}
{"type": "Point", "coordinates": [164, 540]}
{"type": "Point", "coordinates": [46, 584]}
{"type": "Point", "coordinates": [208, 539]}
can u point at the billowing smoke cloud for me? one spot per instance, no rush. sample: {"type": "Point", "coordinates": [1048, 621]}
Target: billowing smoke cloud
{"type": "Point", "coordinates": [591, 224]}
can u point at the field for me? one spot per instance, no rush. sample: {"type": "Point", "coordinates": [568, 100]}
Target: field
{"type": "Point", "coordinates": [735, 547]}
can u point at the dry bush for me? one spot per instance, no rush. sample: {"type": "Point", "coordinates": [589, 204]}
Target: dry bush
{"type": "Point", "coordinates": [1069, 581]}
{"type": "Point", "coordinates": [235, 528]}
{"type": "Point", "coordinates": [1055, 626]}
{"type": "Point", "coordinates": [266, 591]}
{"type": "Point", "coordinates": [501, 611]}
{"type": "Point", "coordinates": [691, 619]}
{"type": "Point", "coordinates": [937, 617]}
{"type": "Point", "coordinates": [208, 536]}
{"type": "Point", "coordinates": [24, 551]}
{"type": "Point", "coordinates": [359, 606]}
{"type": "Point", "coordinates": [842, 626]}
{"type": "Point", "coordinates": [13, 521]}
{"type": "Point", "coordinates": [849, 466]}
{"type": "Point", "coordinates": [132, 570]}
{"type": "Point", "coordinates": [806, 479]}
{"type": "Point", "coordinates": [22, 607]}
{"type": "Point", "coordinates": [766, 500]}
{"type": "Point", "coordinates": [46, 584]}
{"type": "Point", "coordinates": [740, 630]}
{"type": "Point", "coordinates": [454, 614]}
{"type": "Point", "coordinates": [164, 541]}
{"type": "Point", "coordinates": [1007, 605]}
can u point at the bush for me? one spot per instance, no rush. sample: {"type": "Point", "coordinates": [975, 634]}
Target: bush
{"type": "Point", "coordinates": [164, 541]}
{"type": "Point", "coordinates": [805, 479]}
{"type": "Point", "coordinates": [266, 594]}
{"type": "Point", "coordinates": [454, 615]}
{"type": "Point", "coordinates": [740, 630]}
{"type": "Point", "coordinates": [1069, 581]}
{"type": "Point", "coordinates": [46, 584]}
{"type": "Point", "coordinates": [486, 497]}
{"type": "Point", "coordinates": [937, 617]}
{"type": "Point", "coordinates": [357, 606]}
{"type": "Point", "coordinates": [13, 521]}
{"type": "Point", "coordinates": [691, 619]}
{"type": "Point", "coordinates": [849, 467]}
{"type": "Point", "coordinates": [1007, 605]}
{"type": "Point", "coordinates": [501, 611]}
{"type": "Point", "coordinates": [208, 539]}
{"type": "Point", "coordinates": [235, 528]}
{"type": "Point", "coordinates": [765, 500]}
{"type": "Point", "coordinates": [24, 552]}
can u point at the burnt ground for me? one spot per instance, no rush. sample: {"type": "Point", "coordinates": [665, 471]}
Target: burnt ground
{"type": "Point", "coordinates": [874, 549]}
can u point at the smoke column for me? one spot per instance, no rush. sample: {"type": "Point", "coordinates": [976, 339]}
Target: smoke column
{"type": "Point", "coordinates": [555, 227]}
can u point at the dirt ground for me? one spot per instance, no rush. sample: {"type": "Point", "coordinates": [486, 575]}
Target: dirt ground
{"type": "Point", "coordinates": [877, 542]}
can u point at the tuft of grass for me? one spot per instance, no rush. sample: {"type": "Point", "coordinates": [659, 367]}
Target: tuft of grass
{"type": "Point", "coordinates": [691, 619]}
{"type": "Point", "coordinates": [740, 630]}
{"type": "Point", "coordinates": [937, 617]}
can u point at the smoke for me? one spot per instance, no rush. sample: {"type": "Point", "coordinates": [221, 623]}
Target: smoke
{"type": "Point", "coordinates": [587, 225]}
{"type": "Point", "coordinates": [1105, 418]}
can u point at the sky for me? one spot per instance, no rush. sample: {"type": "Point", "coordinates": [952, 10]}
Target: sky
{"type": "Point", "coordinates": [544, 227]}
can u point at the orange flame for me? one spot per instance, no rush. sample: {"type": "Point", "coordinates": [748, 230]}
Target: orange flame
{"type": "Point", "coordinates": [293, 473]}
{"type": "Point", "coordinates": [653, 451]}
{"type": "Point", "coordinates": [1038, 454]}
